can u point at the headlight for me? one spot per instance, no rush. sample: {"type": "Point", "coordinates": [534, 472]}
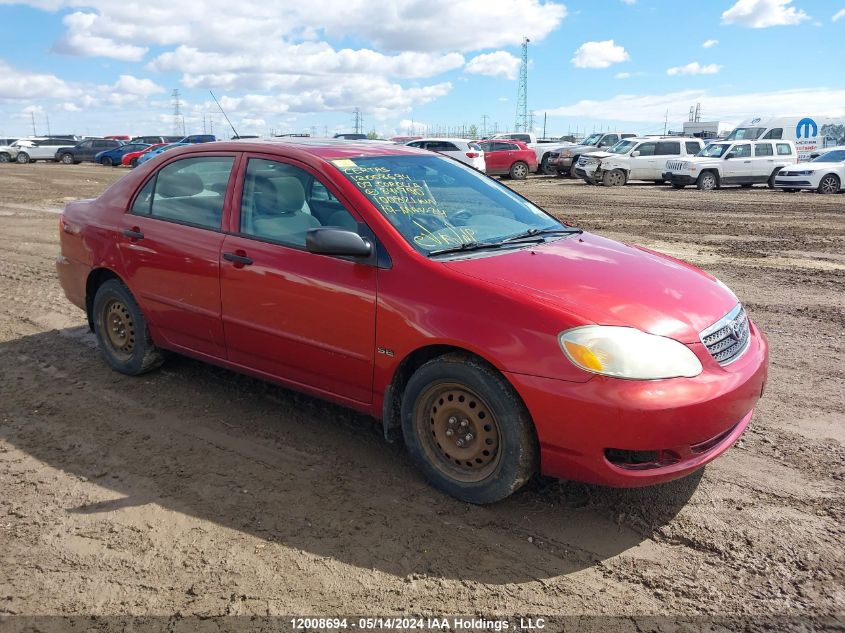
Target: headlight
{"type": "Point", "coordinates": [806, 172]}
{"type": "Point", "coordinates": [625, 352]}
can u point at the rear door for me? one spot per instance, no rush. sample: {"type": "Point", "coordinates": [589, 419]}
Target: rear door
{"type": "Point", "coordinates": [763, 162]}
{"type": "Point", "coordinates": [496, 157]}
{"type": "Point", "coordinates": [665, 151]}
{"type": "Point", "coordinates": [170, 245]}
{"type": "Point", "coordinates": [737, 165]}
{"type": "Point", "coordinates": [304, 318]}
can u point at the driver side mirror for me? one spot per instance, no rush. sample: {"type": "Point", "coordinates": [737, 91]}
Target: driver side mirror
{"type": "Point", "coordinates": [635, 153]}
{"type": "Point", "coordinates": [730, 155]}
{"type": "Point", "coordinates": [331, 240]}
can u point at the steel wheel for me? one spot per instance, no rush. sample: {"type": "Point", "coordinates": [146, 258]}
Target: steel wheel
{"type": "Point", "coordinates": [829, 184]}
{"type": "Point", "coordinates": [119, 329]}
{"type": "Point", "coordinates": [459, 432]}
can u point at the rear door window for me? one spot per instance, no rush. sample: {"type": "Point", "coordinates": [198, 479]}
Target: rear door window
{"type": "Point", "coordinates": [188, 191]}
{"type": "Point", "coordinates": [668, 148]}
{"type": "Point", "coordinates": [763, 149]}
{"type": "Point", "coordinates": [501, 147]}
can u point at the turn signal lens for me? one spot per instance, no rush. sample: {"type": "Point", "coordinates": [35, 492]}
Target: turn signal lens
{"type": "Point", "coordinates": [583, 356]}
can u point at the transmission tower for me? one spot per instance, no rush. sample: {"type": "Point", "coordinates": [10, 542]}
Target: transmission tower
{"type": "Point", "coordinates": [178, 121]}
{"type": "Point", "coordinates": [521, 122]}
{"type": "Point", "coordinates": [359, 121]}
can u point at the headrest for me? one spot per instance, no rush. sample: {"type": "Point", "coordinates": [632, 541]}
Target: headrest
{"type": "Point", "coordinates": [179, 185]}
{"type": "Point", "coordinates": [291, 194]}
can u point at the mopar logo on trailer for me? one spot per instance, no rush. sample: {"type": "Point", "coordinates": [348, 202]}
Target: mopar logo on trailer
{"type": "Point", "coordinates": [806, 128]}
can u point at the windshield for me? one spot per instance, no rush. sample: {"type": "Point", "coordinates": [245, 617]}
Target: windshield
{"type": "Point", "coordinates": [437, 203]}
{"type": "Point", "coordinates": [592, 139]}
{"type": "Point", "coordinates": [716, 150]}
{"type": "Point", "coordinates": [836, 156]}
{"type": "Point", "coordinates": [745, 134]}
{"type": "Point", "coordinates": [622, 147]}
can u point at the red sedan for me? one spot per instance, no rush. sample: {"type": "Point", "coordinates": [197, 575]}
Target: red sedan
{"type": "Point", "coordinates": [509, 158]}
{"type": "Point", "coordinates": [497, 341]}
{"type": "Point", "coordinates": [130, 159]}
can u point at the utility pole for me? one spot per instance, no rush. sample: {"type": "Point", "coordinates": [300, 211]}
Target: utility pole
{"type": "Point", "coordinates": [665, 122]}
{"type": "Point", "coordinates": [544, 123]}
{"type": "Point", "coordinates": [521, 122]}
{"type": "Point", "coordinates": [47, 116]}
{"type": "Point", "coordinates": [32, 114]}
{"type": "Point", "coordinates": [484, 118]}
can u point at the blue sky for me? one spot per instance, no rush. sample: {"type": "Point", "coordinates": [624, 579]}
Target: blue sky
{"type": "Point", "coordinates": [106, 67]}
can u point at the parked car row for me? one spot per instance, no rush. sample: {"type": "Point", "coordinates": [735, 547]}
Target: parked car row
{"type": "Point", "coordinates": [70, 150]}
{"type": "Point", "coordinates": [497, 156]}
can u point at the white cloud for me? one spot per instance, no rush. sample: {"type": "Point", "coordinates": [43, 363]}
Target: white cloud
{"type": "Point", "coordinates": [629, 1]}
{"type": "Point", "coordinates": [81, 39]}
{"type": "Point", "coordinates": [760, 14]}
{"type": "Point", "coordinates": [599, 54]}
{"type": "Point", "coordinates": [694, 68]}
{"type": "Point", "coordinates": [496, 64]}
{"type": "Point", "coordinates": [623, 75]}
{"type": "Point", "coordinates": [838, 15]}
{"type": "Point", "coordinates": [709, 43]}
{"type": "Point", "coordinates": [16, 84]}
{"type": "Point", "coordinates": [652, 108]}
{"type": "Point", "coordinates": [139, 87]}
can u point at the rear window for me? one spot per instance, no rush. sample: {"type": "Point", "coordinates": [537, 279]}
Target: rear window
{"type": "Point", "coordinates": [763, 149]}
{"type": "Point", "coordinates": [784, 149]}
{"type": "Point", "coordinates": [475, 147]}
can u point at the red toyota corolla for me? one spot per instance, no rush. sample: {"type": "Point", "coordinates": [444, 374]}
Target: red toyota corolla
{"type": "Point", "coordinates": [403, 284]}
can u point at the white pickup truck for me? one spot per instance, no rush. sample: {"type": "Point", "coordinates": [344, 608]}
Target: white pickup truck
{"type": "Point", "coordinates": [542, 147]}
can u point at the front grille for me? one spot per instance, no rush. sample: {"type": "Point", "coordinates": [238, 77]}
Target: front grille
{"type": "Point", "coordinates": [728, 338]}
{"type": "Point", "coordinates": [675, 165]}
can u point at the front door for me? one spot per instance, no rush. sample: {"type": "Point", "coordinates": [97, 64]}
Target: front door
{"type": "Point", "coordinates": [738, 168]}
{"type": "Point", "coordinates": [643, 165]}
{"type": "Point", "coordinates": [170, 242]}
{"type": "Point", "coordinates": [304, 318]}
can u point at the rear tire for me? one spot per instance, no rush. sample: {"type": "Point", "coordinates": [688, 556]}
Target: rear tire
{"type": "Point", "coordinates": [122, 332]}
{"type": "Point", "coordinates": [771, 182]}
{"type": "Point", "coordinates": [133, 163]}
{"type": "Point", "coordinates": [467, 430]}
{"type": "Point", "coordinates": [519, 170]}
{"type": "Point", "coordinates": [614, 178]}
{"type": "Point", "coordinates": [4, 157]}
{"type": "Point", "coordinates": [707, 181]}
{"type": "Point", "coordinates": [67, 159]}
{"type": "Point", "coordinates": [106, 161]}
{"type": "Point", "coordinates": [829, 184]}
{"type": "Point", "coordinates": [22, 158]}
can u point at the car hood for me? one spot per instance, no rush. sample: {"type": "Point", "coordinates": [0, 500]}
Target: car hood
{"type": "Point", "coordinates": [610, 283]}
{"type": "Point", "coordinates": [600, 154]}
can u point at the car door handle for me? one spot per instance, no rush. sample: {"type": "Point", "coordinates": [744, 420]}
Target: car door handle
{"type": "Point", "coordinates": [746, 161]}
{"type": "Point", "coordinates": [238, 259]}
{"type": "Point", "coordinates": [133, 233]}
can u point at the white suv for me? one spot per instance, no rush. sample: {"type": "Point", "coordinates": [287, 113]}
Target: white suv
{"type": "Point", "coordinates": [732, 163]}
{"type": "Point", "coordinates": [464, 150]}
{"type": "Point", "coordinates": [638, 158]}
{"type": "Point", "coordinates": [8, 153]}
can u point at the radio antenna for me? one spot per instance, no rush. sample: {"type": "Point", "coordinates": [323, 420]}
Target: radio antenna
{"type": "Point", "coordinates": [224, 114]}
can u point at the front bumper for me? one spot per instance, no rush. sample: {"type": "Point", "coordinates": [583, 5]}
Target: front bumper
{"type": "Point", "coordinates": [679, 179]}
{"type": "Point", "coordinates": [687, 421]}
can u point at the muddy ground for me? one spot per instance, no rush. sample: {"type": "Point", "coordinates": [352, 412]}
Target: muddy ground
{"type": "Point", "coordinates": [195, 491]}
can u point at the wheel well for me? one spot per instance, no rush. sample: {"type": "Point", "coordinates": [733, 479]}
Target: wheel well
{"type": "Point", "coordinates": [96, 279]}
{"type": "Point", "coordinates": [713, 171]}
{"type": "Point", "coordinates": [391, 411]}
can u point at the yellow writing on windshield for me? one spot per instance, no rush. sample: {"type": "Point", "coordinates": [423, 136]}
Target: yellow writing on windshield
{"type": "Point", "coordinates": [393, 192]}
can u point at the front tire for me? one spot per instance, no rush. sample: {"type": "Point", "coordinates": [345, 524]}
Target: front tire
{"type": "Point", "coordinates": [519, 170]}
{"type": "Point", "coordinates": [122, 332]}
{"type": "Point", "coordinates": [4, 157]}
{"type": "Point", "coordinates": [67, 159]}
{"type": "Point", "coordinates": [614, 178]}
{"type": "Point", "coordinates": [22, 158]}
{"type": "Point", "coordinates": [707, 181]}
{"type": "Point", "coordinates": [133, 163]}
{"type": "Point", "coordinates": [467, 430]}
{"type": "Point", "coordinates": [829, 184]}
{"type": "Point", "coordinates": [106, 161]}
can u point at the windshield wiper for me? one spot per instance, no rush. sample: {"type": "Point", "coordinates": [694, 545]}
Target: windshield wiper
{"type": "Point", "coordinates": [535, 233]}
{"type": "Point", "coordinates": [465, 246]}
